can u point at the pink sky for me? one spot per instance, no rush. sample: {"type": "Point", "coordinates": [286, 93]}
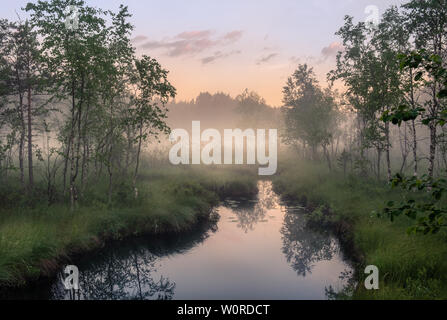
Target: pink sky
{"type": "Point", "coordinates": [213, 45]}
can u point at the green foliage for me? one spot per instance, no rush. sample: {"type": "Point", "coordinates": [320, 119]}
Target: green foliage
{"type": "Point", "coordinates": [311, 113]}
{"type": "Point", "coordinates": [401, 114]}
{"type": "Point", "coordinates": [423, 285]}
{"type": "Point", "coordinates": [320, 217]}
{"type": "Point", "coordinates": [153, 91]}
{"type": "Point", "coordinates": [427, 66]}
{"type": "Point", "coordinates": [429, 212]}
{"type": "Point", "coordinates": [369, 69]}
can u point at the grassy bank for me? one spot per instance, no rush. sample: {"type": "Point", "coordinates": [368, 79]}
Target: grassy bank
{"type": "Point", "coordinates": [411, 266]}
{"type": "Point", "coordinates": [35, 241]}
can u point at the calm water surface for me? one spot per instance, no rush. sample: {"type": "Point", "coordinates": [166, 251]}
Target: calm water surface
{"type": "Point", "coordinates": [255, 249]}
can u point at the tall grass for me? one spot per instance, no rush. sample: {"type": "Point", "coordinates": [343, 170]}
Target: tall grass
{"type": "Point", "coordinates": [33, 241]}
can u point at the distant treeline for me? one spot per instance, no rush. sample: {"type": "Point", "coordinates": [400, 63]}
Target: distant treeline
{"type": "Point", "coordinates": [221, 111]}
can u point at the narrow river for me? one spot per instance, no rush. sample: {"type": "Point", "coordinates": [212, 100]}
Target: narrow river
{"type": "Point", "coordinates": [256, 249]}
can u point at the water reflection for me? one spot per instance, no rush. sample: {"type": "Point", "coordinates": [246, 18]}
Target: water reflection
{"type": "Point", "coordinates": [344, 291]}
{"type": "Point", "coordinates": [248, 212]}
{"type": "Point", "coordinates": [304, 248]}
{"type": "Point", "coordinates": [251, 249]}
{"type": "Point", "coordinates": [131, 271]}
{"type": "Point", "coordinates": [121, 278]}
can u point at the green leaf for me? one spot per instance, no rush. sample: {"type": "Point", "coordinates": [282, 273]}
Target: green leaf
{"type": "Point", "coordinates": [418, 76]}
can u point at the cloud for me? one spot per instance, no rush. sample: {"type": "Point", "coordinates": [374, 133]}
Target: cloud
{"type": "Point", "coordinates": [332, 49]}
{"type": "Point", "coordinates": [295, 59]}
{"type": "Point", "coordinates": [267, 58]}
{"type": "Point", "coordinates": [310, 60]}
{"type": "Point", "coordinates": [139, 39]}
{"type": "Point", "coordinates": [188, 35]}
{"type": "Point", "coordinates": [219, 55]}
{"type": "Point", "coordinates": [233, 36]}
{"type": "Point", "coordinates": [180, 47]}
{"type": "Point", "coordinates": [192, 42]}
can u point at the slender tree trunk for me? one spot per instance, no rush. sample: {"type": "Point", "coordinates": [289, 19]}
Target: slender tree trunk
{"type": "Point", "coordinates": [328, 157]}
{"type": "Point", "coordinates": [403, 148]}
{"type": "Point", "coordinates": [129, 149]}
{"type": "Point", "coordinates": [96, 161]}
{"type": "Point", "coordinates": [66, 157]}
{"type": "Point", "coordinates": [79, 132]}
{"type": "Point", "coordinates": [30, 143]}
{"type": "Point", "coordinates": [110, 171]}
{"type": "Point", "coordinates": [22, 142]}
{"type": "Point", "coordinates": [413, 126]}
{"type": "Point", "coordinates": [137, 165]}
{"type": "Point", "coordinates": [314, 153]}
{"type": "Point", "coordinates": [388, 158]}
{"type": "Point", "coordinates": [432, 156]}
{"type": "Point", "coordinates": [86, 148]}
{"type": "Point", "coordinates": [332, 149]}
{"type": "Point", "coordinates": [72, 180]}
{"type": "Point", "coordinates": [336, 148]}
{"type": "Point", "coordinates": [72, 177]}
{"type": "Point", "coordinates": [433, 131]}
{"type": "Point", "coordinates": [87, 166]}
{"type": "Point", "coordinates": [75, 154]}
{"type": "Point", "coordinates": [101, 165]}
{"type": "Point", "coordinates": [72, 150]}
{"type": "Point", "coordinates": [444, 158]}
{"type": "Point", "coordinates": [84, 166]}
{"type": "Point", "coordinates": [110, 159]}
{"type": "Point", "coordinates": [21, 160]}
{"type": "Point", "coordinates": [379, 160]}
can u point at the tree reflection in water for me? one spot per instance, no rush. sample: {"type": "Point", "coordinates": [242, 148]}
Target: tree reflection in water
{"type": "Point", "coordinates": [129, 271]}
{"type": "Point", "coordinates": [250, 213]}
{"type": "Point", "coordinates": [302, 247]}
{"type": "Point", "coordinates": [121, 278]}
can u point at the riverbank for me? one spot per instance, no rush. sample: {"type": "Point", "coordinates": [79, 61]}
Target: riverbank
{"type": "Point", "coordinates": [35, 242]}
{"type": "Point", "coordinates": [411, 266]}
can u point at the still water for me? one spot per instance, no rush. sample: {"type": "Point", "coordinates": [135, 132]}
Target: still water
{"type": "Point", "coordinates": [254, 249]}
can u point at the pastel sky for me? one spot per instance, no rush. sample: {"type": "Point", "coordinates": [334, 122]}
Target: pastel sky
{"type": "Point", "coordinates": [217, 45]}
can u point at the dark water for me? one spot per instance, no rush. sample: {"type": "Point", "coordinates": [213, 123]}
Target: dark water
{"type": "Point", "coordinates": [255, 249]}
